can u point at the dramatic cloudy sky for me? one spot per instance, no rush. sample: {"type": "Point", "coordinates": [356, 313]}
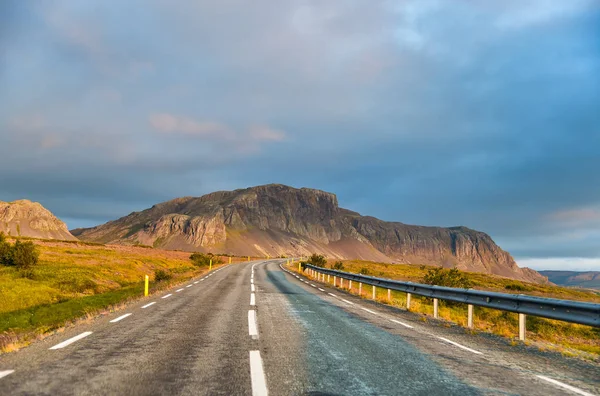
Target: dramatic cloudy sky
{"type": "Point", "coordinates": [476, 113]}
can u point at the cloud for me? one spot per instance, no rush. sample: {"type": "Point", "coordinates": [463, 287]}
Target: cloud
{"type": "Point", "coordinates": [265, 133]}
{"type": "Point", "coordinates": [433, 112]}
{"type": "Point", "coordinates": [168, 123]}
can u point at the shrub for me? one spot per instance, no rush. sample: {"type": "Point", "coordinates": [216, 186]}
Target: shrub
{"type": "Point", "coordinates": [317, 260]}
{"type": "Point", "coordinates": [444, 277]}
{"type": "Point", "coordinates": [24, 255]}
{"type": "Point", "coordinates": [517, 287]}
{"type": "Point", "coordinates": [338, 266]}
{"type": "Point", "coordinates": [203, 260]}
{"type": "Point", "coordinates": [5, 250]}
{"type": "Point", "coordinates": [161, 275]}
{"type": "Point", "coordinates": [364, 271]}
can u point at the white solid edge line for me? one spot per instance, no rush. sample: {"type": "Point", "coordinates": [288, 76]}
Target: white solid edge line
{"type": "Point", "coordinates": [120, 318]}
{"type": "Point", "coordinates": [178, 290]}
{"type": "Point", "coordinates": [252, 299]}
{"type": "Point", "coordinates": [167, 296]}
{"type": "Point", "coordinates": [257, 375]}
{"type": "Point", "coordinates": [148, 305]}
{"type": "Point", "coordinates": [402, 324]}
{"type": "Point", "coordinates": [456, 344]}
{"type": "Point", "coordinates": [252, 329]}
{"type": "Point", "coordinates": [6, 372]}
{"type": "Point", "coordinates": [71, 340]}
{"type": "Point", "coordinates": [569, 387]}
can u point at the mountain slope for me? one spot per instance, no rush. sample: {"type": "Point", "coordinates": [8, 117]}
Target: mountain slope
{"type": "Point", "coordinates": [281, 220]}
{"type": "Point", "coordinates": [31, 219]}
{"type": "Point", "coordinates": [589, 279]}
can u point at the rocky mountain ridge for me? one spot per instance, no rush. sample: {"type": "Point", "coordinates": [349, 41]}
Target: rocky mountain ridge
{"type": "Point", "coordinates": [31, 219]}
{"type": "Point", "coordinates": [281, 220]}
{"type": "Point", "coordinates": [585, 279]}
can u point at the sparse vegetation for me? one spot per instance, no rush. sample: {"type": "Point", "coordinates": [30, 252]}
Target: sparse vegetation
{"type": "Point", "coordinates": [338, 266]}
{"type": "Point", "coordinates": [74, 280]}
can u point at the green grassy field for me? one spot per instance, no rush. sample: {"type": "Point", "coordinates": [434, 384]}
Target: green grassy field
{"type": "Point", "coordinates": [567, 338]}
{"type": "Point", "coordinates": [75, 281]}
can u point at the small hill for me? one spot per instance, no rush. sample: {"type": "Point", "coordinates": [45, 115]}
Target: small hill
{"type": "Point", "coordinates": [589, 279]}
{"type": "Point", "coordinates": [280, 220]}
{"type": "Point", "coordinates": [31, 219]}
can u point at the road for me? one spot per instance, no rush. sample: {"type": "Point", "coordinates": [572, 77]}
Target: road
{"type": "Point", "coordinates": [256, 329]}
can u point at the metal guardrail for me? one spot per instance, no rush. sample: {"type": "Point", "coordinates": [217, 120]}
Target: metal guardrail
{"type": "Point", "coordinates": [565, 310]}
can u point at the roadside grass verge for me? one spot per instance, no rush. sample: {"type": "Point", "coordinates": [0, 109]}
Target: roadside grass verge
{"type": "Point", "coordinates": [546, 334]}
{"type": "Point", "coordinates": [75, 282]}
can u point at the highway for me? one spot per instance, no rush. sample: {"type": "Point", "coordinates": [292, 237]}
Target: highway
{"type": "Point", "coordinates": [257, 329]}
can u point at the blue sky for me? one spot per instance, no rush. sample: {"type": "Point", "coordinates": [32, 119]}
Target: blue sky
{"type": "Point", "coordinates": [484, 114]}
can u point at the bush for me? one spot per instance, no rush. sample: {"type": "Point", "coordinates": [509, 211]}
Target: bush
{"type": "Point", "coordinates": [203, 260]}
{"type": "Point", "coordinates": [364, 271]}
{"type": "Point", "coordinates": [451, 278]}
{"type": "Point", "coordinates": [517, 287]}
{"type": "Point", "coordinates": [317, 260]}
{"type": "Point", "coordinates": [23, 255]}
{"type": "Point", "coordinates": [161, 275]}
{"type": "Point", "coordinates": [338, 266]}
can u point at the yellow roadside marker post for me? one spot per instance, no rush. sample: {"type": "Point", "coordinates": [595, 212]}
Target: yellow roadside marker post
{"type": "Point", "coordinates": [248, 258]}
{"type": "Point", "coordinates": [146, 287]}
{"type": "Point", "coordinates": [210, 265]}
{"type": "Point", "coordinates": [229, 259]}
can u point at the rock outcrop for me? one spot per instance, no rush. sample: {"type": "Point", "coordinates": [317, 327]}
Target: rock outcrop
{"type": "Point", "coordinates": [30, 219]}
{"type": "Point", "coordinates": [281, 220]}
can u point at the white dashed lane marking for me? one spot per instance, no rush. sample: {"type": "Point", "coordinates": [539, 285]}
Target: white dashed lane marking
{"type": "Point", "coordinates": [120, 318]}
{"type": "Point", "coordinates": [178, 290]}
{"type": "Point", "coordinates": [5, 373]}
{"type": "Point", "coordinates": [149, 305]}
{"type": "Point", "coordinates": [456, 344]}
{"type": "Point", "coordinates": [402, 324]}
{"type": "Point", "coordinates": [565, 386]}
{"type": "Point", "coordinates": [257, 375]}
{"type": "Point", "coordinates": [167, 296]}
{"type": "Point", "coordinates": [252, 328]}
{"type": "Point", "coordinates": [71, 340]}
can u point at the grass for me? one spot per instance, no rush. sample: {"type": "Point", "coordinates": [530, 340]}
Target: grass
{"type": "Point", "coordinates": [551, 334]}
{"type": "Point", "coordinates": [79, 280]}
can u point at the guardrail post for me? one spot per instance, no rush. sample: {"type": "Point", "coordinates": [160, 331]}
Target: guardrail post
{"type": "Point", "coordinates": [342, 283]}
{"type": "Point", "coordinates": [327, 278]}
{"type": "Point", "coordinates": [435, 308]}
{"type": "Point", "coordinates": [360, 288]}
{"type": "Point", "coordinates": [522, 320]}
{"type": "Point", "coordinates": [389, 295]}
{"type": "Point", "coordinates": [350, 284]}
{"type": "Point", "coordinates": [470, 316]}
{"type": "Point", "coordinates": [334, 280]}
{"type": "Point", "coordinates": [408, 296]}
{"type": "Point", "coordinates": [373, 292]}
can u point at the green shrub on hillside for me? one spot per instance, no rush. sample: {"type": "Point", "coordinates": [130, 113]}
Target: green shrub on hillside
{"type": "Point", "coordinates": [23, 255]}
{"type": "Point", "coordinates": [318, 260]}
{"type": "Point", "coordinates": [338, 266]}
{"type": "Point", "coordinates": [450, 278]}
{"type": "Point", "coordinates": [162, 275]}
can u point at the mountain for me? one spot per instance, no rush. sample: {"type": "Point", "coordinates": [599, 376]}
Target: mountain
{"type": "Point", "coordinates": [281, 220]}
{"type": "Point", "coordinates": [589, 279]}
{"type": "Point", "coordinates": [30, 219]}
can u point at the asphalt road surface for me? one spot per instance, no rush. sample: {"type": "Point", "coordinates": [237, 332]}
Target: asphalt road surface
{"type": "Point", "coordinates": [257, 329]}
